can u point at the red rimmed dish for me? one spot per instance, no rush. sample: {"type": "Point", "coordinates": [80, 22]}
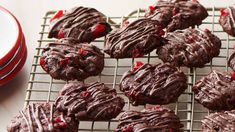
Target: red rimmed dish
{"type": "Point", "coordinates": [10, 36]}
{"type": "Point", "coordinates": [14, 60]}
{"type": "Point", "coordinates": [13, 51]}
{"type": "Point", "coordinates": [15, 67]}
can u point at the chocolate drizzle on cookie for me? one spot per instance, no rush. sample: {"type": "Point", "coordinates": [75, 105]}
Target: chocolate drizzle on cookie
{"type": "Point", "coordinates": [189, 47]}
{"type": "Point", "coordinates": [68, 60]}
{"type": "Point", "coordinates": [231, 61]}
{"type": "Point", "coordinates": [42, 117]}
{"type": "Point", "coordinates": [89, 102]}
{"type": "Point", "coordinates": [219, 122]}
{"type": "Point", "coordinates": [227, 20]}
{"type": "Point", "coordinates": [158, 84]}
{"type": "Point", "coordinates": [149, 120]}
{"type": "Point", "coordinates": [81, 23]}
{"type": "Point", "coordinates": [232, 14]}
{"type": "Point", "coordinates": [177, 15]}
{"type": "Point", "coordinates": [216, 91]}
{"type": "Point", "coordinates": [135, 40]}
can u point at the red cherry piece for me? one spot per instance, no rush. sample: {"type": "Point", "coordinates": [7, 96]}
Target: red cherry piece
{"type": "Point", "coordinates": [207, 30]}
{"type": "Point", "coordinates": [174, 12]}
{"type": "Point", "coordinates": [223, 12]}
{"type": "Point", "coordinates": [128, 129]}
{"type": "Point", "coordinates": [125, 23]}
{"type": "Point", "coordinates": [64, 62]}
{"type": "Point", "coordinates": [57, 15]}
{"type": "Point", "coordinates": [137, 65]}
{"type": "Point", "coordinates": [98, 30]}
{"type": "Point", "coordinates": [136, 53]}
{"type": "Point", "coordinates": [171, 130]}
{"type": "Point", "coordinates": [151, 9]}
{"type": "Point", "coordinates": [190, 39]}
{"type": "Point", "coordinates": [162, 32]}
{"type": "Point", "coordinates": [60, 34]}
{"type": "Point", "coordinates": [43, 63]}
{"type": "Point", "coordinates": [58, 123]}
{"type": "Point", "coordinates": [85, 94]}
{"type": "Point", "coordinates": [57, 120]}
{"type": "Point", "coordinates": [82, 52]}
{"type": "Point", "coordinates": [233, 76]}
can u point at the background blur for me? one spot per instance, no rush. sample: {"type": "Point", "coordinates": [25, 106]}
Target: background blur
{"type": "Point", "coordinates": [30, 13]}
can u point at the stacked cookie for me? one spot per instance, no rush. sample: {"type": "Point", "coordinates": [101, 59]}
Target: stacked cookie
{"type": "Point", "coordinates": [169, 28]}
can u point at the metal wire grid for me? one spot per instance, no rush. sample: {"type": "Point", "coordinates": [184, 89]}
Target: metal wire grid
{"type": "Point", "coordinates": [42, 88]}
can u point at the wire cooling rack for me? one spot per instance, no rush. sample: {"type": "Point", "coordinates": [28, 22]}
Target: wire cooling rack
{"type": "Point", "coordinates": [42, 88]}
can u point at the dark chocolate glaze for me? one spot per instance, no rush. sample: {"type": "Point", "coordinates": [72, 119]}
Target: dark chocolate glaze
{"type": "Point", "coordinates": [79, 23]}
{"type": "Point", "coordinates": [68, 60]}
{"type": "Point", "coordinates": [189, 47]}
{"type": "Point", "coordinates": [89, 102]}
{"type": "Point", "coordinates": [137, 39]}
{"type": "Point", "coordinates": [177, 14]}
{"type": "Point", "coordinates": [216, 91]}
{"type": "Point", "coordinates": [156, 119]}
{"type": "Point", "coordinates": [227, 20]}
{"type": "Point", "coordinates": [158, 84]}
{"type": "Point", "coordinates": [42, 118]}
{"type": "Point", "coordinates": [219, 122]}
{"type": "Point", "coordinates": [231, 61]}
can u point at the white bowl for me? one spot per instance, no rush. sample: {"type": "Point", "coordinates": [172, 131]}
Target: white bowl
{"type": "Point", "coordinates": [13, 51]}
{"type": "Point", "coordinates": [10, 36]}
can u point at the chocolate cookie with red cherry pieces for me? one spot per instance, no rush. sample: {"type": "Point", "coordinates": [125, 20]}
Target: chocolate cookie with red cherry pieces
{"type": "Point", "coordinates": [219, 122]}
{"type": "Point", "coordinates": [134, 40]}
{"type": "Point", "coordinates": [189, 47]}
{"type": "Point", "coordinates": [153, 84]}
{"type": "Point", "coordinates": [67, 59]}
{"type": "Point", "coordinates": [227, 20]}
{"type": "Point", "coordinates": [216, 91]}
{"type": "Point", "coordinates": [177, 14]}
{"type": "Point", "coordinates": [89, 102]}
{"type": "Point", "coordinates": [155, 119]}
{"type": "Point", "coordinates": [42, 117]}
{"type": "Point", "coordinates": [82, 23]}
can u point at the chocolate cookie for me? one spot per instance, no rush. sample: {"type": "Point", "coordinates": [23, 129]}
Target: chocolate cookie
{"type": "Point", "coordinates": [134, 40]}
{"type": "Point", "coordinates": [189, 47]}
{"type": "Point", "coordinates": [42, 118]}
{"type": "Point", "coordinates": [156, 119]}
{"type": "Point", "coordinates": [216, 91]}
{"type": "Point", "coordinates": [177, 14]}
{"type": "Point", "coordinates": [69, 61]}
{"type": "Point", "coordinates": [231, 61]}
{"type": "Point", "coordinates": [89, 102]}
{"type": "Point", "coordinates": [219, 122]}
{"type": "Point", "coordinates": [82, 23]}
{"type": "Point", "coordinates": [227, 20]}
{"type": "Point", "coordinates": [153, 84]}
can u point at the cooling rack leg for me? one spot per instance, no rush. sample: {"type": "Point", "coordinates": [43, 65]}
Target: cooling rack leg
{"type": "Point", "coordinates": [191, 79]}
